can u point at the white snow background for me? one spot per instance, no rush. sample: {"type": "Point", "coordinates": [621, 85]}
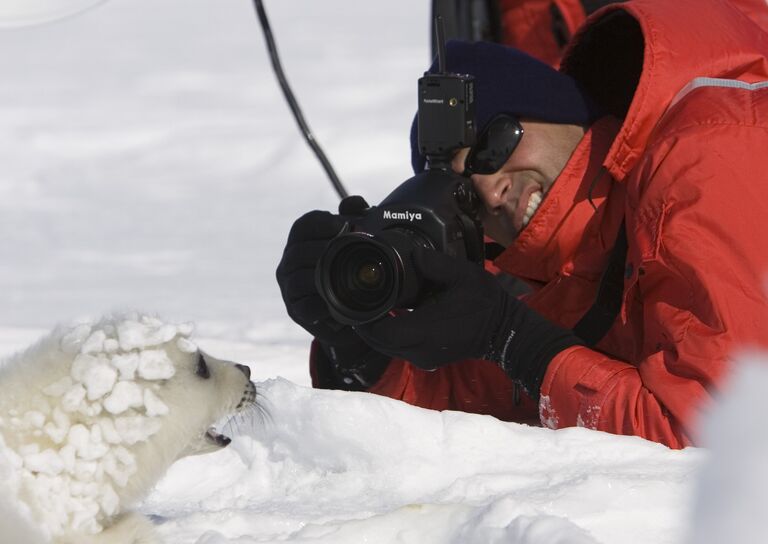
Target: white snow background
{"type": "Point", "coordinates": [149, 161]}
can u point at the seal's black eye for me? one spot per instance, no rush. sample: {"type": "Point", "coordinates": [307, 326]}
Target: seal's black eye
{"type": "Point", "coordinates": [202, 367]}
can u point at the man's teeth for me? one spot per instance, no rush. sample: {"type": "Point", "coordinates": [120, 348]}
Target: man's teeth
{"type": "Point", "coordinates": [533, 204]}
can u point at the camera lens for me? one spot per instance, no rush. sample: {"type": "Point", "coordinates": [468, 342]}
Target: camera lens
{"type": "Point", "coordinates": [362, 277]}
{"type": "Point", "coordinates": [369, 275]}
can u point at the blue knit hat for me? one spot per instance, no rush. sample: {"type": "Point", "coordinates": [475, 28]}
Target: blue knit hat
{"type": "Point", "coordinates": [510, 81]}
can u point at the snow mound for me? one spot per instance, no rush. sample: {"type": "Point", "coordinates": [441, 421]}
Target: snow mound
{"type": "Point", "coordinates": [732, 498]}
{"type": "Point", "coordinates": [330, 466]}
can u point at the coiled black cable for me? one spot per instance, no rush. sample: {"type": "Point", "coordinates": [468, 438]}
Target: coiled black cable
{"type": "Point", "coordinates": [289, 96]}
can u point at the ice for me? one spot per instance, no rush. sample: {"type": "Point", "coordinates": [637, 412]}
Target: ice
{"type": "Point", "coordinates": [108, 431]}
{"type": "Point", "coordinates": [151, 321]}
{"type": "Point", "coordinates": [71, 342]}
{"type": "Point", "coordinates": [94, 343]}
{"type": "Point", "coordinates": [82, 364]}
{"type": "Point", "coordinates": [164, 334]}
{"type": "Point", "coordinates": [126, 364]}
{"type": "Point", "coordinates": [68, 455]}
{"type": "Point", "coordinates": [134, 429]}
{"type": "Point", "coordinates": [59, 428]}
{"type": "Point", "coordinates": [109, 501]}
{"type": "Point", "coordinates": [547, 415]}
{"type": "Point", "coordinates": [93, 449]}
{"type": "Point", "coordinates": [155, 365]}
{"type": "Point", "coordinates": [79, 437]}
{"type": "Point", "coordinates": [125, 395]}
{"type": "Point", "coordinates": [45, 462]}
{"type": "Point", "coordinates": [99, 380]}
{"type": "Point", "coordinates": [85, 471]}
{"type": "Point", "coordinates": [186, 345]}
{"type": "Point", "coordinates": [131, 335]}
{"type": "Point", "coordinates": [73, 398]}
{"type": "Point", "coordinates": [83, 519]}
{"type": "Point", "coordinates": [34, 419]}
{"type": "Point", "coordinates": [120, 464]}
{"type": "Point", "coordinates": [140, 335]}
{"type": "Point", "coordinates": [111, 345]}
{"type": "Point", "coordinates": [55, 433]}
{"type": "Point", "coordinates": [154, 406]}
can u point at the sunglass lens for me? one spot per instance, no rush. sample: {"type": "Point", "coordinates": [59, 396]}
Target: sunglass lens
{"type": "Point", "coordinates": [494, 145]}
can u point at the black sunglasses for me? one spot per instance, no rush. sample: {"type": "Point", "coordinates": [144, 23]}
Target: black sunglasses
{"type": "Point", "coordinates": [494, 145]}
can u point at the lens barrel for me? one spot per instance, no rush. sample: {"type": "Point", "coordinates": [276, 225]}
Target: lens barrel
{"type": "Point", "coordinates": [362, 277]}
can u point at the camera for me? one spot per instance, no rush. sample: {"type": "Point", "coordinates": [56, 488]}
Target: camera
{"type": "Point", "coordinates": [367, 270]}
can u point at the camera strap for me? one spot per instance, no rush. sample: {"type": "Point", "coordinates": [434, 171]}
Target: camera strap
{"type": "Point", "coordinates": [596, 322]}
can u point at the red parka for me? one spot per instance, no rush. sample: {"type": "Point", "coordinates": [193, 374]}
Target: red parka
{"type": "Point", "coordinates": [543, 27]}
{"type": "Point", "coordinates": [683, 161]}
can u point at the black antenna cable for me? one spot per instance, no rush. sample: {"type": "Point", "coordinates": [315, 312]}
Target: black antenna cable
{"type": "Point", "coordinates": [305, 130]}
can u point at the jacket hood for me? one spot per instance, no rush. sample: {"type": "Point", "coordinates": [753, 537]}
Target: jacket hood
{"type": "Point", "coordinates": [633, 58]}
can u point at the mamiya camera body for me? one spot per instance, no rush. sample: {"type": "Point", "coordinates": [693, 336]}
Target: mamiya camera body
{"type": "Point", "coordinates": [367, 270]}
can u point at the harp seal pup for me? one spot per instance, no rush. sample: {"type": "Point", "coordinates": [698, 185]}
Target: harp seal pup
{"type": "Point", "coordinates": [93, 415]}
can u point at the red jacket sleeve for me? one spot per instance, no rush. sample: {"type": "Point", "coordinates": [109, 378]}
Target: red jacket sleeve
{"type": "Point", "coordinates": [697, 217]}
{"type": "Point", "coordinates": [474, 386]}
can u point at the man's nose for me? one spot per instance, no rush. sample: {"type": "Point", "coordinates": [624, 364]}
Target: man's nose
{"type": "Point", "coordinates": [492, 190]}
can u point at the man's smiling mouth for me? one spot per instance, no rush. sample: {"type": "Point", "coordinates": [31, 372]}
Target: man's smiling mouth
{"type": "Point", "coordinates": [534, 201]}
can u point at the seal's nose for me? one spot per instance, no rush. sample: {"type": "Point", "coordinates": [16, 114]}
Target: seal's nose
{"type": "Point", "coordinates": [245, 370]}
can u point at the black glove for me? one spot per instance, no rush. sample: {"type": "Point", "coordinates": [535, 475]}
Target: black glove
{"type": "Point", "coordinates": [348, 355]}
{"type": "Point", "coordinates": [307, 241]}
{"type": "Point", "coordinates": [470, 316]}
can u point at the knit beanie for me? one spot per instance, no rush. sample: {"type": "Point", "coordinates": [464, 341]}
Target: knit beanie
{"type": "Point", "coordinates": [510, 81]}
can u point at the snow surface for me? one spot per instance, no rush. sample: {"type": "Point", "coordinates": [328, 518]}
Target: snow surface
{"type": "Point", "coordinates": [149, 161]}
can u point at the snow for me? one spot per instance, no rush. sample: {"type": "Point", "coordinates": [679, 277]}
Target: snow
{"type": "Point", "coordinates": [125, 395]}
{"type": "Point", "coordinates": [149, 161]}
{"type": "Point", "coordinates": [732, 490]}
{"type": "Point", "coordinates": [352, 467]}
{"type": "Point", "coordinates": [153, 405]}
{"type": "Point", "coordinates": [155, 365]}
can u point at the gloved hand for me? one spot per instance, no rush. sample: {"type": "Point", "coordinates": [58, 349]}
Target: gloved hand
{"type": "Point", "coordinates": [470, 316]}
{"type": "Point", "coordinates": [349, 356]}
{"type": "Point", "coordinates": [307, 241]}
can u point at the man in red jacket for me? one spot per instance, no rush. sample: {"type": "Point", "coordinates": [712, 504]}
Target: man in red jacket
{"type": "Point", "coordinates": [653, 212]}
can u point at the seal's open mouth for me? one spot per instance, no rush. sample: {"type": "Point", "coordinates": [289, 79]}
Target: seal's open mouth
{"type": "Point", "coordinates": [216, 438]}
